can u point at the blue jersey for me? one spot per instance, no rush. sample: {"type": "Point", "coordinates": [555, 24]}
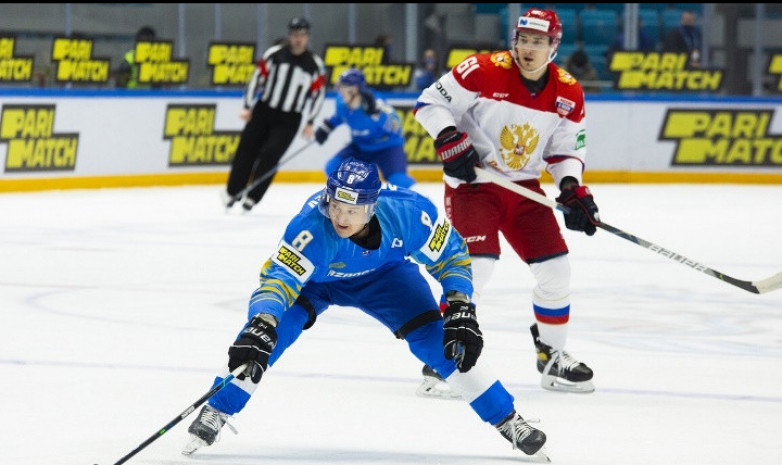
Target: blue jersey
{"type": "Point", "coordinates": [370, 132]}
{"type": "Point", "coordinates": [311, 251]}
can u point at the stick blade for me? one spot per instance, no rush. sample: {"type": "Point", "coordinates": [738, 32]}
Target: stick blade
{"type": "Point", "coordinates": [769, 284]}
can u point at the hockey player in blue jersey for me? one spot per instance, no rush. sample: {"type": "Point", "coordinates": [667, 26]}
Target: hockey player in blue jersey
{"type": "Point", "coordinates": [375, 129]}
{"type": "Point", "coordinates": [352, 245]}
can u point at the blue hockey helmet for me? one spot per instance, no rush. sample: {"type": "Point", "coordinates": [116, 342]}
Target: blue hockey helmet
{"type": "Point", "coordinates": [352, 77]}
{"type": "Point", "coordinates": [354, 182]}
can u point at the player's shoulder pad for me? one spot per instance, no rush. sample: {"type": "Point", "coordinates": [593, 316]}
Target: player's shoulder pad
{"type": "Point", "coordinates": [567, 84]}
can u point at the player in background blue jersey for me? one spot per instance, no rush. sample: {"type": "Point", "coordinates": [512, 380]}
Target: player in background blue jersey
{"type": "Point", "coordinates": [353, 244]}
{"type": "Point", "coordinates": [375, 129]}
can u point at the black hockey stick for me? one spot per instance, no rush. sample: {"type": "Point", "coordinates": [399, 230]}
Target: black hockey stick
{"type": "Point", "coordinates": [184, 414]}
{"type": "Point", "coordinates": [757, 287]}
{"type": "Point", "coordinates": [274, 169]}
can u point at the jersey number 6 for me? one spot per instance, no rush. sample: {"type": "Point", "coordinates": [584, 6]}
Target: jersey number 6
{"type": "Point", "coordinates": [467, 66]}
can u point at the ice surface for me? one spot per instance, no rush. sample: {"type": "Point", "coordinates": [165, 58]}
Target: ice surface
{"type": "Point", "coordinates": [118, 306]}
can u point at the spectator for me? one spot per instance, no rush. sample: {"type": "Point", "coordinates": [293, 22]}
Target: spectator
{"type": "Point", "coordinates": [685, 38]}
{"type": "Point", "coordinates": [384, 41]}
{"type": "Point", "coordinates": [127, 75]}
{"type": "Point", "coordinates": [645, 42]}
{"type": "Point", "coordinates": [428, 70]}
{"type": "Point", "coordinates": [579, 66]}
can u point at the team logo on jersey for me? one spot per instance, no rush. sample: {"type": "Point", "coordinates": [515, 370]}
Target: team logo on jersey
{"type": "Point", "coordinates": [565, 77]}
{"type": "Point", "coordinates": [438, 237]}
{"type": "Point", "coordinates": [502, 59]}
{"type": "Point", "coordinates": [517, 143]}
{"type": "Point", "coordinates": [290, 259]}
{"type": "Point", "coordinates": [564, 106]}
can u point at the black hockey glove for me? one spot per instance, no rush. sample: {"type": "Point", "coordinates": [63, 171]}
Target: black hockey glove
{"type": "Point", "coordinates": [582, 214]}
{"type": "Point", "coordinates": [368, 103]}
{"type": "Point", "coordinates": [323, 131]}
{"type": "Point", "coordinates": [253, 346]}
{"type": "Point", "coordinates": [463, 340]}
{"type": "Point", "coordinates": [458, 155]}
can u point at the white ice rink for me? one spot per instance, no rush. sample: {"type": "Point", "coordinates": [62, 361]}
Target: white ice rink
{"type": "Point", "coordinates": [117, 307]}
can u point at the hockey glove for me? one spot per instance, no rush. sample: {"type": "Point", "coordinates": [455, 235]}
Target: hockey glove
{"type": "Point", "coordinates": [254, 345]}
{"type": "Point", "coordinates": [582, 214]}
{"type": "Point", "coordinates": [463, 341]}
{"type": "Point", "coordinates": [322, 133]}
{"type": "Point", "coordinates": [458, 155]}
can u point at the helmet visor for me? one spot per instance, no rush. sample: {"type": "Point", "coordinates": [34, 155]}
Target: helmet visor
{"type": "Point", "coordinates": [533, 41]}
{"type": "Point", "coordinates": [348, 214]}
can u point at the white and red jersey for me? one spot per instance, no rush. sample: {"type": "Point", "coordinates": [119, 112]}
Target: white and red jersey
{"type": "Point", "coordinates": [515, 132]}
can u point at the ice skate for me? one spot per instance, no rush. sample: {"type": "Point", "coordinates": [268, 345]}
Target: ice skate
{"type": "Point", "coordinates": [434, 386]}
{"type": "Point", "coordinates": [248, 205]}
{"type": "Point", "coordinates": [205, 429]}
{"type": "Point", "coordinates": [524, 437]}
{"type": "Point", "coordinates": [227, 199]}
{"type": "Point", "coordinates": [560, 371]}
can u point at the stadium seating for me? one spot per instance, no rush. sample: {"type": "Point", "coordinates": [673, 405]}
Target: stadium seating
{"type": "Point", "coordinates": [599, 27]}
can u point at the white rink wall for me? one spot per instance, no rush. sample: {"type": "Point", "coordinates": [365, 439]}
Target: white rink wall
{"type": "Point", "coordinates": [87, 138]}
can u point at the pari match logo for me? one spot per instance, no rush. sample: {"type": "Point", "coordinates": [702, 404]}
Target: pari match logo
{"type": "Point", "coordinates": [661, 71]}
{"type": "Point", "coordinates": [32, 143]}
{"type": "Point", "coordinates": [419, 146]}
{"type": "Point", "coordinates": [369, 59]}
{"type": "Point", "coordinates": [232, 63]}
{"type": "Point", "coordinates": [775, 70]}
{"type": "Point", "coordinates": [194, 140]}
{"type": "Point", "coordinates": [722, 138]}
{"type": "Point", "coordinates": [14, 68]}
{"type": "Point", "coordinates": [74, 62]}
{"type": "Point", "coordinates": [156, 63]}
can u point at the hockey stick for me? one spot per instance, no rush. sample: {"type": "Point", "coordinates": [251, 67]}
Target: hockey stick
{"type": "Point", "coordinates": [271, 172]}
{"type": "Point", "coordinates": [184, 414]}
{"type": "Point", "coordinates": [757, 287]}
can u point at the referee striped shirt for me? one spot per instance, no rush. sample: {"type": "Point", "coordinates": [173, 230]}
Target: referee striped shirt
{"type": "Point", "coordinates": [287, 82]}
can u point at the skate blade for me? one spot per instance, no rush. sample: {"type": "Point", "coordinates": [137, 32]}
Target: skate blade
{"type": "Point", "coordinates": [541, 456]}
{"type": "Point", "coordinates": [433, 388]}
{"type": "Point", "coordinates": [552, 383]}
{"type": "Point", "coordinates": [193, 445]}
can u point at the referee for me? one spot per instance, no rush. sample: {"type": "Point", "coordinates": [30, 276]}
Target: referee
{"type": "Point", "coordinates": [288, 76]}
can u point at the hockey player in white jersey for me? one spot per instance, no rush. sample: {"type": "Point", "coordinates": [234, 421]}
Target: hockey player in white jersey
{"type": "Point", "coordinates": [516, 113]}
{"type": "Point", "coordinates": [353, 244]}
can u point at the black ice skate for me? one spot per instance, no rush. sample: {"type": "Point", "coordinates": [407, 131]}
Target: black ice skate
{"type": "Point", "coordinates": [434, 386]}
{"type": "Point", "coordinates": [227, 199]}
{"type": "Point", "coordinates": [523, 436]}
{"type": "Point", "coordinates": [205, 429]}
{"type": "Point", "coordinates": [560, 371]}
{"type": "Point", "coordinates": [248, 205]}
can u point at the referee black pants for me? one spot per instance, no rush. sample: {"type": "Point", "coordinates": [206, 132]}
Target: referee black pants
{"type": "Point", "coordinates": [263, 142]}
